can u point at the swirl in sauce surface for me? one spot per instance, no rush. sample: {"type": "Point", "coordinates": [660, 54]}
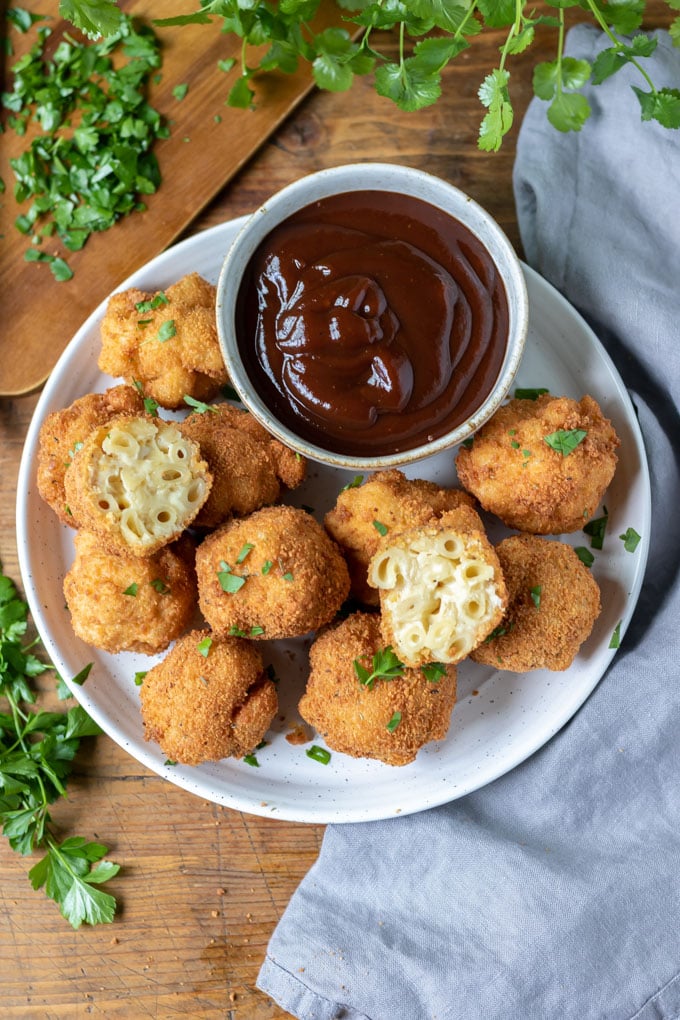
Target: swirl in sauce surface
{"type": "Point", "coordinates": [371, 322]}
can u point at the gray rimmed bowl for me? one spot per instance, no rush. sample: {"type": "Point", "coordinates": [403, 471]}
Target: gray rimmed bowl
{"type": "Point", "coordinates": [385, 177]}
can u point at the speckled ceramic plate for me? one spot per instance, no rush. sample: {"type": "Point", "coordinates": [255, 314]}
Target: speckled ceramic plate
{"type": "Point", "coordinates": [500, 719]}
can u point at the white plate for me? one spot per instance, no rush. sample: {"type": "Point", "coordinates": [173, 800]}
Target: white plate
{"type": "Point", "coordinates": [500, 718]}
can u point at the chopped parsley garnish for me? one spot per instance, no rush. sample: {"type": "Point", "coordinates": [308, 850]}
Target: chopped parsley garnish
{"type": "Point", "coordinates": [535, 593]}
{"type": "Point", "coordinates": [151, 304]}
{"type": "Point", "coordinates": [530, 393]}
{"type": "Point", "coordinates": [596, 529]}
{"type": "Point", "coordinates": [565, 441]}
{"type": "Point", "coordinates": [267, 566]}
{"type": "Point", "coordinates": [180, 91]}
{"type": "Point", "coordinates": [287, 576]}
{"type": "Point", "coordinates": [170, 761]}
{"type": "Point", "coordinates": [394, 722]}
{"type": "Point", "coordinates": [514, 444]}
{"type": "Point", "coordinates": [81, 677]}
{"type": "Point", "coordinates": [467, 443]}
{"type": "Point", "coordinates": [616, 636]}
{"type": "Point", "coordinates": [167, 331]}
{"type": "Point", "coordinates": [433, 672]}
{"type": "Point", "coordinates": [245, 550]}
{"type": "Point", "coordinates": [584, 555]}
{"type": "Point", "coordinates": [499, 631]}
{"type": "Point", "coordinates": [198, 405]}
{"type": "Point", "coordinates": [251, 759]}
{"type": "Point", "coordinates": [381, 528]}
{"type": "Point", "coordinates": [229, 582]}
{"type": "Point", "coordinates": [319, 754]}
{"type": "Point", "coordinates": [132, 589]}
{"type": "Point", "coordinates": [385, 666]}
{"type": "Point", "coordinates": [160, 586]}
{"type": "Point", "coordinates": [354, 484]}
{"type": "Point", "coordinates": [139, 677]}
{"type": "Point", "coordinates": [203, 646]}
{"type": "Point", "coordinates": [630, 539]}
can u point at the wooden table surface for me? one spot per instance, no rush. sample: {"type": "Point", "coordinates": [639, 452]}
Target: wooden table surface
{"type": "Point", "coordinates": [202, 887]}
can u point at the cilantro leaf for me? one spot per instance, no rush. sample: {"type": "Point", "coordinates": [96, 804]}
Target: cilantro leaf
{"type": "Point", "coordinates": [565, 441]}
{"type": "Point", "coordinates": [494, 95]}
{"type": "Point", "coordinates": [385, 666]}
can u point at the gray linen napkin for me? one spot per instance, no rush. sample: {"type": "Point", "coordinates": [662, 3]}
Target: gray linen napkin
{"type": "Point", "coordinates": [554, 892]}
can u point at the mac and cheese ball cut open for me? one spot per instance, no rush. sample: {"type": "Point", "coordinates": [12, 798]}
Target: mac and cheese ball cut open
{"type": "Point", "coordinates": [208, 699]}
{"type": "Point", "coordinates": [125, 603]}
{"type": "Point", "coordinates": [553, 603]}
{"type": "Point", "coordinates": [543, 465]}
{"type": "Point", "coordinates": [63, 433]}
{"type": "Point", "coordinates": [274, 574]}
{"type": "Point", "coordinates": [387, 501]}
{"type": "Point", "coordinates": [166, 341]}
{"type": "Point", "coordinates": [389, 716]}
{"type": "Point", "coordinates": [137, 483]}
{"type": "Point", "coordinates": [441, 589]}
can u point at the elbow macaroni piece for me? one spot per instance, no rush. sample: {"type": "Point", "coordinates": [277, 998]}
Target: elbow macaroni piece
{"type": "Point", "coordinates": [441, 593]}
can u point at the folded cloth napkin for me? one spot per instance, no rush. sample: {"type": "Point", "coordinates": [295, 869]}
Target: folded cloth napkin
{"type": "Point", "coordinates": [554, 892]}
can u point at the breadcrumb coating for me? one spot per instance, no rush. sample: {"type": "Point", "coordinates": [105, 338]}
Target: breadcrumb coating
{"type": "Point", "coordinates": [553, 603]}
{"type": "Point", "coordinates": [63, 433]}
{"type": "Point", "coordinates": [124, 603]}
{"type": "Point", "coordinates": [516, 475]}
{"type": "Point", "coordinates": [166, 341]}
{"type": "Point", "coordinates": [208, 699]}
{"type": "Point", "coordinates": [274, 574]}
{"type": "Point", "coordinates": [441, 588]}
{"type": "Point", "coordinates": [390, 720]}
{"type": "Point", "coordinates": [248, 465]}
{"type": "Point", "coordinates": [394, 502]}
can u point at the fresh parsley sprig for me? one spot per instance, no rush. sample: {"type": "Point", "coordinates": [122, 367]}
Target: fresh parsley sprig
{"type": "Point", "coordinates": [430, 34]}
{"type": "Point", "coordinates": [385, 665]}
{"type": "Point", "coordinates": [37, 749]}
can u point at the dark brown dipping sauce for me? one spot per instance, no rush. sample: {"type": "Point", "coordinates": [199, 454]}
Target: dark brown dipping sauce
{"type": "Point", "coordinates": [371, 323]}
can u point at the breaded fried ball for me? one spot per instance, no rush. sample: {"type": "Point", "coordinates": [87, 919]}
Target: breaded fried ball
{"type": "Point", "coordinates": [386, 500]}
{"type": "Point", "coordinates": [137, 483]}
{"type": "Point", "coordinates": [553, 603]}
{"type": "Point", "coordinates": [125, 603]}
{"type": "Point", "coordinates": [248, 465]}
{"type": "Point", "coordinates": [274, 574]}
{"type": "Point", "coordinates": [441, 588]}
{"type": "Point", "coordinates": [63, 433]}
{"type": "Point", "coordinates": [166, 341]}
{"type": "Point", "coordinates": [389, 720]}
{"type": "Point", "coordinates": [208, 699]}
{"type": "Point", "coordinates": [517, 474]}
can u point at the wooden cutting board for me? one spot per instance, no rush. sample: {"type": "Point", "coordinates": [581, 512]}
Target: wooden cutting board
{"type": "Point", "coordinates": [208, 144]}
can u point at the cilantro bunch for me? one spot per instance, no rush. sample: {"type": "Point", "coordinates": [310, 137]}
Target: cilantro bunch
{"type": "Point", "coordinates": [431, 33]}
{"type": "Point", "coordinates": [36, 754]}
{"type": "Point", "coordinates": [90, 160]}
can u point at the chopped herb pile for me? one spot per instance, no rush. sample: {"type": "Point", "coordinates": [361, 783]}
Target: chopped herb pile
{"type": "Point", "coordinates": [37, 749]}
{"type": "Point", "coordinates": [91, 159]}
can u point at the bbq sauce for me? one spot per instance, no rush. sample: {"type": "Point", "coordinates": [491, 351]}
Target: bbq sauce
{"type": "Point", "coordinates": [372, 322]}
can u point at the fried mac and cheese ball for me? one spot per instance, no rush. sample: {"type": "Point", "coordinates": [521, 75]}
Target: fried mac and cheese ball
{"type": "Point", "coordinates": [517, 474]}
{"type": "Point", "coordinates": [389, 720]}
{"type": "Point", "coordinates": [386, 500]}
{"type": "Point", "coordinates": [553, 603]}
{"type": "Point", "coordinates": [166, 341]}
{"type": "Point", "coordinates": [208, 699]}
{"type": "Point", "coordinates": [248, 465]}
{"type": "Point", "coordinates": [124, 603]}
{"type": "Point", "coordinates": [137, 483]}
{"type": "Point", "coordinates": [274, 574]}
{"type": "Point", "coordinates": [64, 432]}
{"type": "Point", "coordinates": [441, 588]}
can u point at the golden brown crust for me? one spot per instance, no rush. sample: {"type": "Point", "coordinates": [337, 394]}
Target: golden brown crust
{"type": "Point", "coordinates": [517, 476]}
{"type": "Point", "coordinates": [208, 699]}
{"type": "Point", "coordinates": [63, 432]}
{"type": "Point", "coordinates": [546, 635]}
{"type": "Point", "coordinates": [137, 483]}
{"type": "Point", "coordinates": [124, 603]}
{"type": "Point", "coordinates": [188, 363]}
{"type": "Point", "coordinates": [248, 465]}
{"type": "Point", "coordinates": [352, 718]}
{"type": "Point", "coordinates": [395, 502]}
{"type": "Point", "coordinates": [295, 576]}
{"type": "Point", "coordinates": [441, 588]}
